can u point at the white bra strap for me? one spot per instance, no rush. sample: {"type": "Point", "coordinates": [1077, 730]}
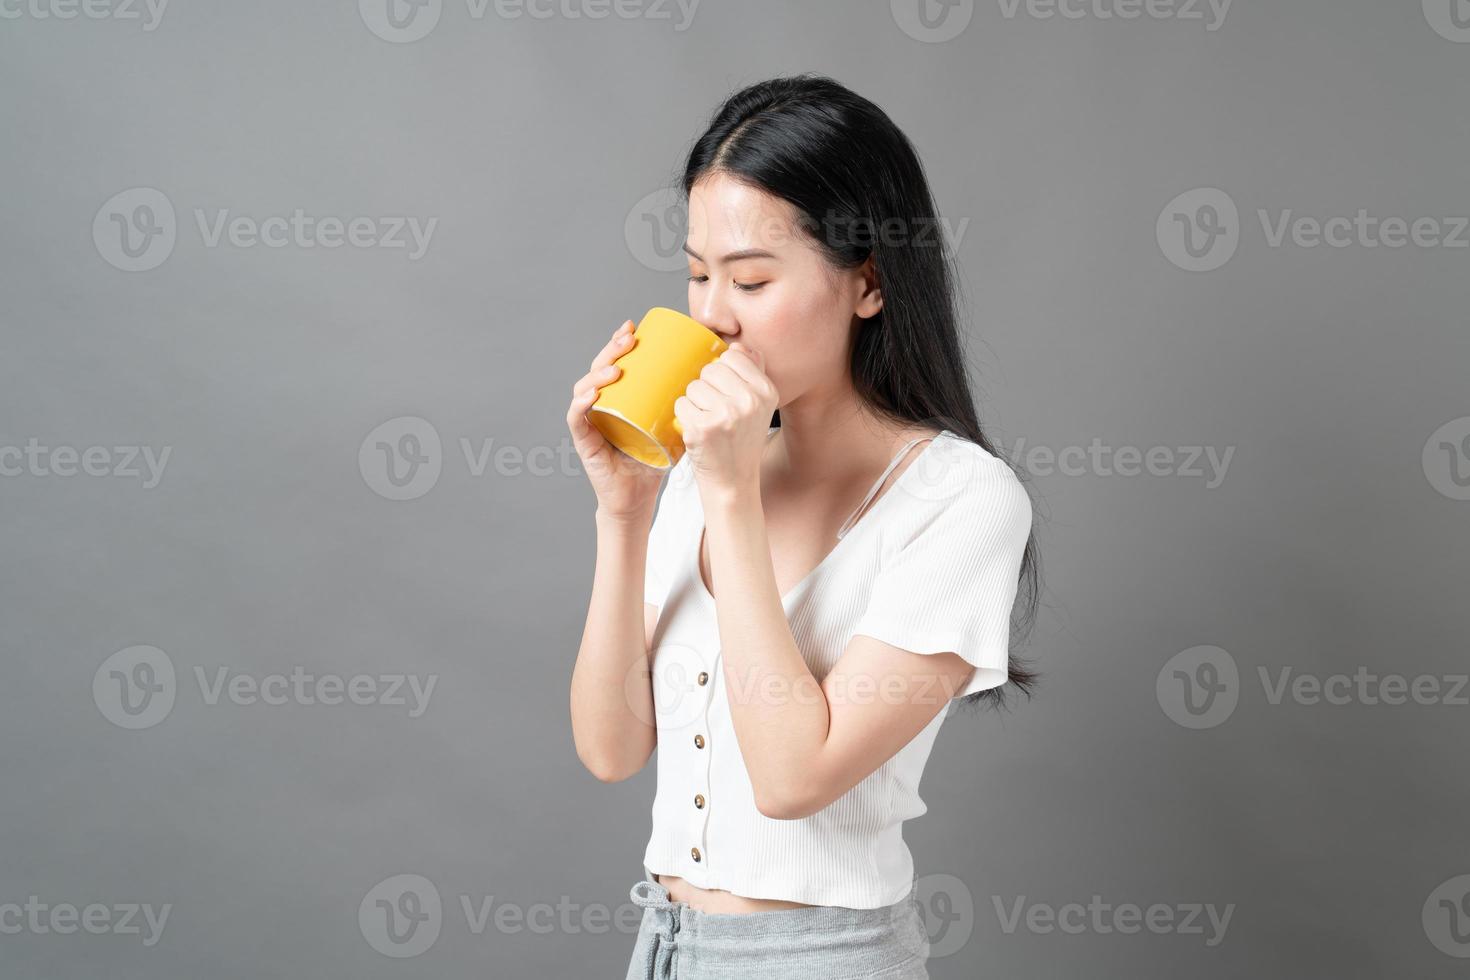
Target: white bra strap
{"type": "Point", "coordinates": [847, 524]}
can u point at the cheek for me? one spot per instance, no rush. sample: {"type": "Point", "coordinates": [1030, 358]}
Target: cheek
{"type": "Point", "coordinates": [793, 315]}
{"type": "Point", "coordinates": [795, 333]}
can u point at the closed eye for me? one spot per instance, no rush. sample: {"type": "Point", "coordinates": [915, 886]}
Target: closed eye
{"type": "Point", "coordinates": [744, 287]}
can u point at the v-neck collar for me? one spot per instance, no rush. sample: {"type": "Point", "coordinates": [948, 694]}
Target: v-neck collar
{"type": "Point", "coordinates": [862, 521]}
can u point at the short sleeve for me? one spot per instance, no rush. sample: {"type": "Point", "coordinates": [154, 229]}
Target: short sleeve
{"type": "Point", "coordinates": [950, 585]}
{"type": "Point", "coordinates": [664, 538]}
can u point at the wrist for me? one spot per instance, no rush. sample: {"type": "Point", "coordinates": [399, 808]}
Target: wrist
{"type": "Point", "coordinates": [731, 497]}
{"type": "Point", "coordinates": [640, 520]}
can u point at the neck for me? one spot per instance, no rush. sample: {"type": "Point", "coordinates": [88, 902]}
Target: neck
{"type": "Point", "coordinates": [831, 438]}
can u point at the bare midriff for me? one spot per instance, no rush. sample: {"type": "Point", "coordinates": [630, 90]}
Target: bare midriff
{"type": "Point", "coordinates": [720, 902]}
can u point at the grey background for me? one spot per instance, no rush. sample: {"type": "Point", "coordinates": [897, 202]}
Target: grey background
{"type": "Point", "coordinates": [1326, 548]}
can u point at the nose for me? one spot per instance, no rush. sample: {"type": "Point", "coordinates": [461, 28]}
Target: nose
{"type": "Point", "coordinates": [717, 317]}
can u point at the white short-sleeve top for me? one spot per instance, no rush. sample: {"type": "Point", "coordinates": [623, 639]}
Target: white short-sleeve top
{"type": "Point", "coordinates": [931, 566]}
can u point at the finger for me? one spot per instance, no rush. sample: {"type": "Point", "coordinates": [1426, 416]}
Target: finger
{"type": "Point", "coordinates": [702, 395]}
{"type": "Point", "coordinates": [619, 344]}
{"type": "Point", "coordinates": [688, 414]}
{"type": "Point", "coordinates": [593, 381]}
{"type": "Point", "coordinates": [578, 410]}
{"type": "Point", "coordinates": [577, 420]}
{"type": "Point", "coordinates": [721, 376]}
{"type": "Point", "coordinates": [739, 360]}
{"type": "Point", "coordinates": [754, 356]}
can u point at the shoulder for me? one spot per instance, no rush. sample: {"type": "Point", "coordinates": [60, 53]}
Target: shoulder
{"type": "Point", "coordinates": [959, 496]}
{"type": "Point", "coordinates": [959, 475]}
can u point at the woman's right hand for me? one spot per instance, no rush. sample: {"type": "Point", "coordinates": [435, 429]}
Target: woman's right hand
{"type": "Point", "coordinates": [625, 488]}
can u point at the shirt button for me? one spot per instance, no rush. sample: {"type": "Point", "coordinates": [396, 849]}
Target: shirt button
{"type": "Point", "coordinates": [694, 852]}
{"type": "Point", "coordinates": [703, 678]}
{"type": "Point", "coordinates": [699, 741]}
{"type": "Point", "coordinates": [699, 800]}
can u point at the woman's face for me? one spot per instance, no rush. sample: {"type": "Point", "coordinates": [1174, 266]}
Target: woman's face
{"type": "Point", "coordinates": [757, 277]}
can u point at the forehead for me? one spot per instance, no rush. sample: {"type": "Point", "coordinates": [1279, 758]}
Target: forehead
{"type": "Point", "coordinates": [725, 215]}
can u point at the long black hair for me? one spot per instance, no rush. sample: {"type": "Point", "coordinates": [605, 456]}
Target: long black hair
{"type": "Point", "coordinates": [857, 184]}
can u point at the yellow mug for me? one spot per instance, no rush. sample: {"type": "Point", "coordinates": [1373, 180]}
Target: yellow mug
{"type": "Point", "coordinates": [636, 412]}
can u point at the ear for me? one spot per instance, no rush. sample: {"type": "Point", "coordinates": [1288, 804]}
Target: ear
{"type": "Point", "coordinates": [870, 297]}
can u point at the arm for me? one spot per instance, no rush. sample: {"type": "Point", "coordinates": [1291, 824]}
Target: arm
{"type": "Point", "coordinates": [805, 744]}
{"type": "Point", "coordinates": [611, 690]}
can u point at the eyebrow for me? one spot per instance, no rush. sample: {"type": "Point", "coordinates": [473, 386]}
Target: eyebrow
{"type": "Point", "coordinates": [746, 253]}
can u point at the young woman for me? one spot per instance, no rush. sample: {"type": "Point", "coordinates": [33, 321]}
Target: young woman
{"type": "Point", "coordinates": [839, 554]}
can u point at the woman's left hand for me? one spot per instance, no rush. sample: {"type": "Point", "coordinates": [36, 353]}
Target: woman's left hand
{"type": "Point", "coordinates": [725, 414]}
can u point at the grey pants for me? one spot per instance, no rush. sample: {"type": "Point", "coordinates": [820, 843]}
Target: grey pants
{"type": "Point", "coordinates": [676, 942]}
